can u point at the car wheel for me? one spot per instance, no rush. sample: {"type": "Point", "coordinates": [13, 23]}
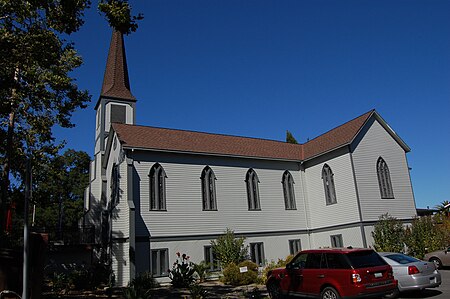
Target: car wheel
{"type": "Point", "coordinates": [392, 295]}
{"type": "Point", "coordinates": [329, 293]}
{"type": "Point", "coordinates": [273, 288]}
{"type": "Point", "coordinates": [437, 262]}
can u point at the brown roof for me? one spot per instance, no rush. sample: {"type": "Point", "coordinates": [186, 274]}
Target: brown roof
{"type": "Point", "coordinates": [196, 142]}
{"type": "Point", "coordinates": [116, 83]}
{"type": "Point", "coordinates": [335, 138]}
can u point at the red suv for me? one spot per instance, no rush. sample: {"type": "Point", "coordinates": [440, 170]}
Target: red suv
{"type": "Point", "coordinates": [333, 273]}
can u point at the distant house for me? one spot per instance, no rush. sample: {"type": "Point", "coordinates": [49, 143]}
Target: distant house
{"type": "Point", "coordinates": [156, 191]}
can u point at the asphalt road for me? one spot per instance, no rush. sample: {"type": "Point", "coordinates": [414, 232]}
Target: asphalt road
{"type": "Point", "coordinates": [443, 291]}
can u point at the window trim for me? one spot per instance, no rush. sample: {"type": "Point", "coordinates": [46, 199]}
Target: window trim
{"type": "Point", "coordinates": [252, 182]}
{"type": "Point", "coordinates": [157, 177]}
{"type": "Point", "coordinates": [295, 243]}
{"type": "Point", "coordinates": [328, 185]}
{"type": "Point", "coordinates": [115, 185]}
{"type": "Point", "coordinates": [384, 179]}
{"type": "Point", "coordinates": [209, 195]}
{"type": "Point", "coordinates": [257, 253]}
{"type": "Point", "coordinates": [159, 266]}
{"type": "Point", "coordinates": [214, 265]}
{"type": "Point", "coordinates": [287, 182]}
{"type": "Point", "coordinates": [334, 238]}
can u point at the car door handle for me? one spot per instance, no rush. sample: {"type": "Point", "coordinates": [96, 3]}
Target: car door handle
{"type": "Point", "coordinates": [321, 276]}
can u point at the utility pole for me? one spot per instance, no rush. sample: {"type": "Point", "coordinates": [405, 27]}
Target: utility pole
{"type": "Point", "coordinates": [26, 233]}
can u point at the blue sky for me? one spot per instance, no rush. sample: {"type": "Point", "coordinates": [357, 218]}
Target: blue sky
{"type": "Point", "coordinates": [259, 68]}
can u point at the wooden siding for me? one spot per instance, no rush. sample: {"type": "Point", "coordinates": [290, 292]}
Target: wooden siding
{"type": "Point", "coordinates": [121, 263]}
{"type": "Point", "coordinates": [346, 208]}
{"type": "Point", "coordinates": [184, 215]}
{"type": "Point", "coordinates": [375, 143]}
{"type": "Point", "coordinates": [350, 236]}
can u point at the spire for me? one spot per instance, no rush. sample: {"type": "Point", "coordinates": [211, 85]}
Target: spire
{"type": "Point", "coordinates": [115, 82]}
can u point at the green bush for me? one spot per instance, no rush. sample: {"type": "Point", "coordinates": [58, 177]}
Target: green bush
{"type": "Point", "coordinates": [233, 276]}
{"type": "Point", "coordinates": [273, 265]}
{"type": "Point", "coordinates": [182, 273]}
{"type": "Point", "coordinates": [422, 236]}
{"type": "Point", "coordinates": [201, 270]}
{"type": "Point", "coordinates": [197, 291]}
{"type": "Point", "coordinates": [229, 249]}
{"type": "Point", "coordinates": [144, 281]}
{"type": "Point", "coordinates": [388, 234]}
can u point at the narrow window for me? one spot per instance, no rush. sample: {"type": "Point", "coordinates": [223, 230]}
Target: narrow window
{"type": "Point", "coordinates": [118, 114]}
{"type": "Point", "coordinates": [328, 184]}
{"type": "Point", "coordinates": [294, 246]}
{"type": "Point", "coordinates": [336, 241]}
{"type": "Point", "coordinates": [209, 189]}
{"type": "Point", "coordinates": [288, 191]}
{"type": "Point", "coordinates": [157, 188]}
{"type": "Point", "coordinates": [252, 190]}
{"type": "Point", "coordinates": [384, 179]}
{"type": "Point", "coordinates": [114, 185]}
{"type": "Point", "coordinates": [257, 253]}
{"type": "Point", "coordinates": [211, 259]}
{"type": "Point", "coordinates": [160, 262]}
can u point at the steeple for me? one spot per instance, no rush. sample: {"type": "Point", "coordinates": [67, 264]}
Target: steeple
{"type": "Point", "coordinates": [115, 82]}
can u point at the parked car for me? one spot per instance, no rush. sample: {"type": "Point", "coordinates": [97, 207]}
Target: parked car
{"type": "Point", "coordinates": [441, 258]}
{"type": "Point", "coordinates": [411, 273]}
{"type": "Point", "coordinates": [333, 273]}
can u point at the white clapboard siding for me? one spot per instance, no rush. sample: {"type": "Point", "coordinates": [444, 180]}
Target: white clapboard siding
{"type": "Point", "coordinates": [184, 215]}
{"type": "Point", "coordinates": [121, 263]}
{"type": "Point", "coordinates": [375, 143]}
{"type": "Point", "coordinates": [350, 236]}
{"type": "Point", "coordinates": [346, 208]}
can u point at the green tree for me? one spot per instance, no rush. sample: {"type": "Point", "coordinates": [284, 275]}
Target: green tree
{"type": "Point", "coordinates": [37, 91]}
{"type": "Point", "coordinates": [443, 207]}
{"type": "Point", "coordinates": [423, 236]}
{"type": "Point", "coordinates": [229, 249]}
{"type": "Point", "coordinates": [388, 234]}
{"type": "Point", "coordinates": [290, 138]}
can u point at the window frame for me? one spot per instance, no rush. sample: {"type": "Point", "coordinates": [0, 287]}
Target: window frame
{"type": "Point", "coordinates": [329, 186]}
{"type": "Point", "coordinates": [384, 179]}
{"type": "Point", "coordinates": [252, 183]}
{"type": "Point", "coordinates": [211, 259]}
{"type": "Point", "coordinates": [295, 246]}
{"type": "Point", "coordinates": [209, 195]}
{"type": "Point", "coordinates": [162, 270]}
{"type": "Point", "coordinates": [337, 241]}
{"type": "Point", "coordinates": [287, 182]}
{"type": "Point", "coordinates": [115, 185]}
{"type": "Point", "coordinates": [157, 177]}
{"type": "Point", "coordinates": [257, 253]}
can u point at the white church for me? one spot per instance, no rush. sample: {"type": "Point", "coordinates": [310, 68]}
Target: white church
{"type": "Point", "coordinates": [154, 192]}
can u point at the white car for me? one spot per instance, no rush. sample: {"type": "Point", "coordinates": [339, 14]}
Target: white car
{"type": "Point", "coordinates": [412, 274]}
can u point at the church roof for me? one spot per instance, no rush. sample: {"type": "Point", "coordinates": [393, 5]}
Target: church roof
{"type": "Point", "coordinates": [116, 83]}
{"type": "Point", "coordinates": [161, 139]}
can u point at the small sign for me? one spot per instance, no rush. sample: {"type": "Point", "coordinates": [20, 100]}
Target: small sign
{"type": "Point", "coordinates": [378, 275]}
{"type": "Point", "coordinates": [243, 269]}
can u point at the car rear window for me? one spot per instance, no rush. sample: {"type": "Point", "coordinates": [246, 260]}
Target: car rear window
{"type": "Point", "coordinates": [365, 259]}
{"type": "Point", "coordinates": [402, 259]}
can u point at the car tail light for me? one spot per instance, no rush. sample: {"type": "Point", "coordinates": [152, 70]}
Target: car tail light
{"type": "Point", "coordinates": [413, 270]}
{"type": "Point", "coordinates": [356, 278]}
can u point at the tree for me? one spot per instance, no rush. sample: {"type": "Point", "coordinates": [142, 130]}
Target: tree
{"type": "Point", "coordinates": [443, 207]}
{"type": "Point", "coordinates": [423, 236]}
{"type": "Point", "coordinates": [36, 89]}
{"type": "Point", "coordinates": [229, 249]}
{"type": "Point", "coordinates": [290, 138]}
{"type": "Point", "coordinates": [388, 234]}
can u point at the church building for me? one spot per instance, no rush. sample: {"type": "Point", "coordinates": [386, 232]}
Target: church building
{"type": "Point", "coordinates": [154, 192]}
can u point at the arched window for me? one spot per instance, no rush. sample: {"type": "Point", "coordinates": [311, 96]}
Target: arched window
{"type": "Point", "coordinates": [157, 188]}
{"type": "Point", "coordinates": [288, 191]}
{"type": "Point", "coordinates": [208, 189]}
{"type": "Point", "coordinates": [328, 184]}
{"type": "Point", "coordinates": [114, 185]}
{"type": "Point", "coordinates": [252, 190]}
{"type": "Point", "coordinates": [384, 179]}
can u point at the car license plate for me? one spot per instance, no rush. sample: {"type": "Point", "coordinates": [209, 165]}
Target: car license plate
{"type": "Point", "coordinates": [378, 275]}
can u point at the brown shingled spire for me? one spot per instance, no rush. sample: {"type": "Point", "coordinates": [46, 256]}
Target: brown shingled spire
{"type": "Point", "coordinates": [115, 82]}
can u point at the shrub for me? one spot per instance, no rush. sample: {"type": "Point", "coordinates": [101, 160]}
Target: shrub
{"type": "Point", "coordinates": [201, 269]}
{"type": "Point", "coordinates": [229, 249]}
{"type": "Point", "coordinates": [144, 281]}
{"type": "Point", "coordinates": [136, 293]}
{"type": "Point", "coordinates": [273, 265]}
{"type": "Point", "coordinates": [388, 234]}
{"type": "Point", "coordinates": [423, 235]}
{"type": "Point", "coordinates": [233, 276]}
{"type": "Point", "coordinates": [197, 291]}
{"type": "Point", "coordinates": [182, 273]}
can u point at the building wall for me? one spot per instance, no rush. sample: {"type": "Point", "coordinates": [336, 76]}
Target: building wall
{"type": "Point", "coordinates": [375, 143]}
{"type": "Point", "coordinates": [351, 236]}
{"type": "Point", "coordinates": [184, 215]}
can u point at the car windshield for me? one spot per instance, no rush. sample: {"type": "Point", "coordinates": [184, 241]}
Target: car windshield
{"type": "Point", "coordinates": [401, 258]}
{"type": "Point", "coordinates": [364, 259]}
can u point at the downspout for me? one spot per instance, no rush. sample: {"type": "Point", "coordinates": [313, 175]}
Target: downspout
{"type": "Point", "coordinates": [361, 224]}
{"type": "Point", "coordinates": [132, 216]}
